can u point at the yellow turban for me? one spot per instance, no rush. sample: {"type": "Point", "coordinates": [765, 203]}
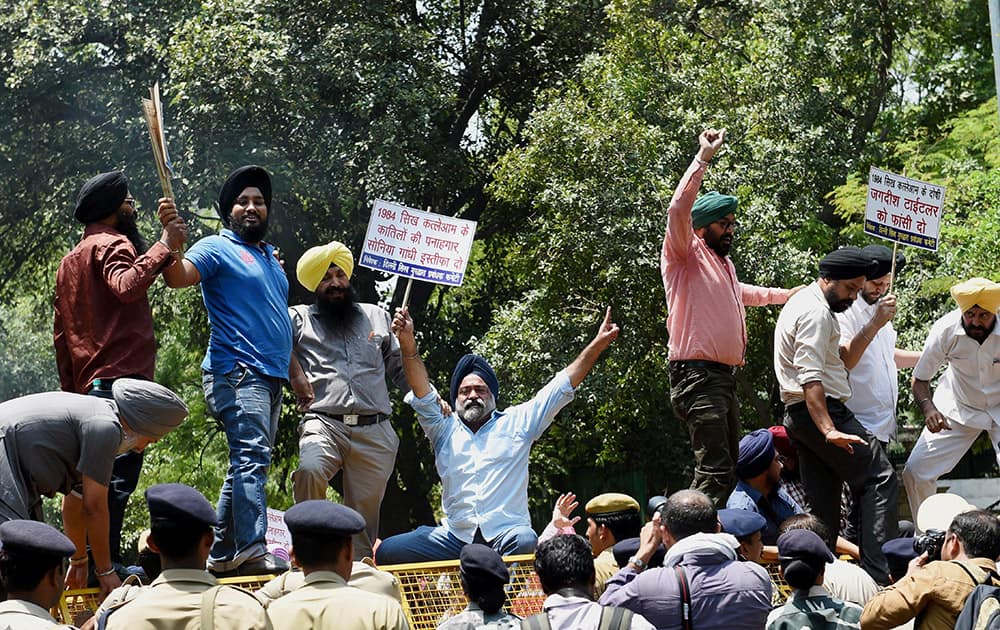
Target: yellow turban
{"type": "Point", "coordinates": [977, 292]}
{"type": "Point", "coordinates": [314, 263]}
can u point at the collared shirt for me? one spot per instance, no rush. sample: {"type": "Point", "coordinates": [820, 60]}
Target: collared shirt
{"type": "Point", "coordinates": [580, 613]}
{"type": "Point", "coordinates": [363, 576]}
{"type": "Point", "coordinates": [815, 608]}
{"type": "Point", "coordinates": [246, 294]}
{"type": "Point", "coordinates": [775, 508]}
{"type": "Point", "coordinates": [18, 614]}
{"type": "Point", "coordinates": [357, 609]}
{"type": "Point", "coordinates": [103, 325]}
{"type": "Point", "coordinates": [473, 618]}
{"type": "Point", "coordinates": [605, 567]}
{"type": "Point", "coordinates": [484, 474]}
{"type": "Point", "coordinates": [969, 390]}
{"type": "Point", "coordinates": [705, 300]}
{"type": "Point", "coordinates": [874, 386]}
{"type": "Point", "coordinates": [347, 364]}
{"type": "Point", "coordinates": [807, 347]}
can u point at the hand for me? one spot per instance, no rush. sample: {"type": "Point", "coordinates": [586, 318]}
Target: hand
{"type": "Point", "coordinates": [607, 333]}
{"type": "Point", "coordinates": [649, 541]}
{"type": "Point", "coordinates": [108, 583]}
{"type": "Point", "coordinates": [885, 310]}
{"type": "Point", "coordinates": [843, 440]}
{"type": "Point", "coordinates": [445, 407]}
{"type": "Point", "coordinates": [795, 290]}
{"type": "Point", "coordinates": [174, 233]}
{"type": "Point", "coordinates": [710, 141]}
{"type": "Point", "coordinates": [304, 395]}
{"type": "Point", "coordinates": [936, 421]}
{"type": "Point", "coordinates": [564, 506]}
{"type": "Point", "coordinates": [402, 327]}
{"type": "Point", "coordinates": [76, 577]}
{"type": "Point", "coordinates": [166, 210]}
{"type": "Point", "coordinates": [917, 563]}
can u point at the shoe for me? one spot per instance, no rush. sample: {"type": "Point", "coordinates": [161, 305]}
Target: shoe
{"type": "Point", "coordinates": [268, 564]}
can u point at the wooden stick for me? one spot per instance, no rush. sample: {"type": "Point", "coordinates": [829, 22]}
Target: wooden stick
{"type": "Point", "coordinates": [406, 294]}
{"type": "Point", "coordinates": [892, 270]}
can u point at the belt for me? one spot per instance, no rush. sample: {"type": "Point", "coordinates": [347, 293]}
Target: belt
{"type": "Point", "coordinates": [102, 384]}
{"type": "Point", "coordinates": [707, 365]}
{"type": "Point", "coordinates": [357, 420]}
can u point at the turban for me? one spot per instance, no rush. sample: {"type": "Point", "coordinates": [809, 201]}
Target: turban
{"type": "Point", "coordinates": [883, 256]}
{"type": "Point", "coordinates": [243, 177]}
{"type": "Point", "coordinates": [473, 364]}
{"type": "Point", "coordinates": [313, 265]}
{"type": "Point", "coordinates": [977, 292]}
{"type": "Point", "coordinates": [147, 407]}
{"type": "Point", "coordinates": [846, 263]}
{"type": "Point", "coordinates": [711, 207]}
{"type": "Point", "coordinates": [101, 196]}
{"type": "Point", "coordinates": [783, 444]}
{"type": "Point", "coordinates": [756, 454]}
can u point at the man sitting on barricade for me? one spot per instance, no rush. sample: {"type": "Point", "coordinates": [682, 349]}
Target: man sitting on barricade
{"type": "Point", "coordinates": [481, 453]}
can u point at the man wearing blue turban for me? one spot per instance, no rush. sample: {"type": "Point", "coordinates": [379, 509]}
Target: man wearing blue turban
{"type": "Point", "coordinates": [481, 453]}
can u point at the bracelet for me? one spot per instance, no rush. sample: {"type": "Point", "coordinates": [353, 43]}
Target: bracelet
{"type": "Point", "coordinates": [101, 574]}
{"type": "Point", "coordinates": [701, 161]}
{"type": "Point", "coordinates": [78, 562]}
{"type": "Point", "coordinates": [415, 355]}
{"type": "Point", "coordinates": [922, 401]}
{"type": "Point", "coordinates": [172, 251]}
{"type": "Point", "coordinates": [863, 334]}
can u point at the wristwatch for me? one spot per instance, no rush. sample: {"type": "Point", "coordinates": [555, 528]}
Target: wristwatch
{"type": "Point", "coordinates": [637, 562]}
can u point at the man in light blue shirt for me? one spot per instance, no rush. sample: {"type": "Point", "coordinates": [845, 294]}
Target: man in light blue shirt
{"type": "Point", "coordinates": [481, 453]}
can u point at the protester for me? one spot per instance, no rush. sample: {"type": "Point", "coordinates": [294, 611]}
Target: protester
{"type": "Point", "coordinates": [67, 443]}
{"type": "Point", "coordinates": [181, 521]}
{"type": "Point", "coordinates": [833, 446]}
{"type": "Point", "coordinates": [803, 558]}
{"type": "Point", "coordinates": [484, 579]}
{"type": "Point", "coordinates": [758, 468]}
{"type": "Point", "coordinates": [706, 320]}
{"type": "Point", "coordinates": [701, 574]}
{"type": "Point", "coordinates": [481, 453]}
{"type": "Point", "coordinates": [565, 568]}
{"type": "Point", "coordinates": [32, 571]}
{"type": "Point", "coordinates": [246, 294]}
{"type": "Point", "coordinates": [103, 327]}
{"type": "Point", "coordinates": [321, 544]}
{"type": "Point", "coordinates": [342, 352]}
{"type": "Point", "coordinates": [934, 592]}
{"type": "Point", "coordinates": [966, 401]}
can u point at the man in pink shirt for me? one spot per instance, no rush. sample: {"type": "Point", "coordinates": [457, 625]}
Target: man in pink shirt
{"type": "Point", "coordinates": [707, 321]}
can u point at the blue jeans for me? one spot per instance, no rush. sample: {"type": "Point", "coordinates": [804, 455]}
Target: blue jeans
{"type": "Point", "coordinates": [429, 544]}
{"type": "Point", "coordinates": [248, 405]}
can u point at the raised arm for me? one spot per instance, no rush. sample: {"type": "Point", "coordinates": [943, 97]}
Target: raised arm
{"type": "Point", "coordinates": [581, 366]}
{"type": "Point", "coordinates": [677, 239]}
{"type": "Point", "coordinates": [850, 353]}
{"type": "Point", "coordinates": [413, 366]}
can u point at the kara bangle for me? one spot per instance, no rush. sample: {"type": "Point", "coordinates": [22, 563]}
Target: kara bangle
{"type": "Point", "coordinates": [415, 355]}
{"type": "Point", "coordinates": [101, 574]}
{"type": "Point", "coordinates": [701, 161]}
{"type": "Point", "coordinates": [78, 562]}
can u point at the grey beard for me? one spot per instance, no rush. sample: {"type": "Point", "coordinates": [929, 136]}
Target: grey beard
{"type": "Point", "coordinates": [473, 412]}
{"type": "Point", "coordinates": [129, 442]}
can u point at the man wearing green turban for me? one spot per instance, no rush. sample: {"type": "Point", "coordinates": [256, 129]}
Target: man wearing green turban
{"type": "Point", "coordinates": [342, 351]}
{"type": "Point", "coordinates": [706, 321]}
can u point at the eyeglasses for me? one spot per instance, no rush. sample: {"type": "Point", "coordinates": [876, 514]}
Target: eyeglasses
{"type": "Point", "coordinates": [726, 224]}
{"type": "Point", "coordinates": [130, 201]}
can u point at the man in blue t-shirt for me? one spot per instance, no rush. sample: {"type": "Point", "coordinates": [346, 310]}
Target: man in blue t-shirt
{"type": "Point", "coordinates": [246, 294]}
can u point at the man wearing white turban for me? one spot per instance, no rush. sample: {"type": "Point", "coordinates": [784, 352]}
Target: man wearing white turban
{"type": "Point", "coordinates": [342, 353]}
{"type": "Point", "coordinates": [967, 399]}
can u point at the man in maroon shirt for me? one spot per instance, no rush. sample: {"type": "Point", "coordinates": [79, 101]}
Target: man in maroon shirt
{"type": "Point", "coordinates": [103, 323]}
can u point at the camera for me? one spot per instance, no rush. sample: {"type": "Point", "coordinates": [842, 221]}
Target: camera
{"type": "Point", "coordinates": [929, 542]}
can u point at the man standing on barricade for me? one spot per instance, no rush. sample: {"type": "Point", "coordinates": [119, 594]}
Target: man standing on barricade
{"type": "Point", "coordinates": [967, 399]}
{"type": "Point", "coordinates": [706, 321]}
{"type": "Point", "coordinates": [246, 294]}
{"type": "Point", "coordinates": [103, 328]}
{"type": "Point", "coordinates": [833, 446]}
{"type": "Point", "coordinates": [343, 352]}
{"type": "Point", "coordinates": [481, 453]}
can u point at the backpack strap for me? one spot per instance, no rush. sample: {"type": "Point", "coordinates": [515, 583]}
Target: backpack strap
{"type": "Point", "coordinates": [208, 607]}
{"type": "Point", "coordinates": [615, 618]}
{"type": "Point", "coordinates": [685, 593]}
{"type": "Point", "coordinates": [989, 574]}
{"type": "Point", "coordinates": [536, 622]}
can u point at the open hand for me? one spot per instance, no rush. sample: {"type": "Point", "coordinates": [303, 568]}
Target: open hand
{"type": "Point", "coordinates": [844, 440]}
{"type": "Point", "coordinates": [564, 506]}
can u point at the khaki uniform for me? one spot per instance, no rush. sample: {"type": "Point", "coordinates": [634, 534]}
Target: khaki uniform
{"type": "Point", "coordinates": [17, 614]}
{"type": "Point", "coordinates": [348, 607]}
{"type": "Point", "coordinates": [363, 576]}
{"type": "Point", "coordinates": [173, 602]}
{"type": "Point", "coordinates": [605, 568]}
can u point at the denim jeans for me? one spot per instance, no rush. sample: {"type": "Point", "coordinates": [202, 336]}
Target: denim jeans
{"type": "Point", "coordinates": [429, 544]}
{"type": "Point", "coordinates": [248, 405]}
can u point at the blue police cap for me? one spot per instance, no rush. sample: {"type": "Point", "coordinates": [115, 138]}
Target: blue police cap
{"type": "Point", "coordinates": [482, 561]}
{"type": "Point", "coordinates": [898, 553]}
{"type": "Point", "coordinates": [802, 544]}
{"type": "Point", "coordinates": [741, 523]}
{"type": "Point", "coordinates": [319, 516]}
{"type": "Point", "coordinates": [35, 538]}
{"type": "Point", "coordinates": [625, 549]}
{"type": "Point", "coordinates": [177, 502]}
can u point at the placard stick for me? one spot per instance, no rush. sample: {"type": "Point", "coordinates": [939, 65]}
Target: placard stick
{"type": "Point", "coordinates": [153, 114]}
{"type": "Point", "coordinates": [892, 270]}
{"type": "Point", "coordinates": [406, 293]}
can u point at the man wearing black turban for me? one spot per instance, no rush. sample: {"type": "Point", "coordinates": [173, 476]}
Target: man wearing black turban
{"type": "Point", "coordinates": [103, 327]}
{"type": "Point", "coordinates": [833, 446]}
{"type": "Point", "coordinates": [245, 291]}
{"type": "Point", "coordinates": [481, 454]}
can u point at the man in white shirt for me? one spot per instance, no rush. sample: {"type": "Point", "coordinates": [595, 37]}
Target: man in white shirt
{"type": "Point", "coordinates": [967, 399]}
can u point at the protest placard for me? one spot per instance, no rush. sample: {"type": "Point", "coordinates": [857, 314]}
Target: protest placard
{"type": "Point", "coordinates": [903, 210]}
{"type": "Point", "coordinates": [418, 245]}
{"type": "Point", "coordinates": [277, 535]}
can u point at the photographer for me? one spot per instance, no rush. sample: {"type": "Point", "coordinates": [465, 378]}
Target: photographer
{"type": "Point", "coordinates": [934, 592]}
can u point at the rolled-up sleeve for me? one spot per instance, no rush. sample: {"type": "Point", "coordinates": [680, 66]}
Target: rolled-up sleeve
{"type": "Point", "coordinates": [762, 296]}
{"type": "Point", "coordinates": [812, 332]}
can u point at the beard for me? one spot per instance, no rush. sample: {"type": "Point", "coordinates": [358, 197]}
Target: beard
{"type": "Point", "coordinates": [130, 229]}
{"type": "Point", "coordinates": [476, 410]}
{"type": "Point", "coordinates": [721, 246]}
{"type": "Point", "coordinates": [336, 307]}
{"type": "Point", "coordinates": [837, 306]}
{"type": "Point", "coordinates": [870, 298]}
{"type": "Point", "coordinates": [249, 233]}
{"type": "Point", "coordinates": [979, 333]}
{"type": "Point", "coordinates": [129, 442]}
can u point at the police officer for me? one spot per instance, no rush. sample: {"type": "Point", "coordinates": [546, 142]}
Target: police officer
{"type": "Point", "coordinates": [33, 566]}
{"type": "Point", "coordinates": [321, 544]}
{"type": "Point", "coordinates": [182, 525]}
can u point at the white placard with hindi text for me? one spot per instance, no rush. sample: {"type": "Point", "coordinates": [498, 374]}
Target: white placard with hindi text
{"type": "Point", "coordinates": [419, 245]}
{"type": "Point", "coordinates": [277, 532]}
{"type": "Point", "coordinates": [903, 210]}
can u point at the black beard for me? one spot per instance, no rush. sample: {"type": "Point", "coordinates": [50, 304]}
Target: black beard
{"type": "Point", "coordinates": [337, 312]}
{"type": "Point", "coordinates": [130, 230]}
{"type": "Point", "coordinates": [979, 333]}
{"type": "Point", "coordinates": [249, 233]}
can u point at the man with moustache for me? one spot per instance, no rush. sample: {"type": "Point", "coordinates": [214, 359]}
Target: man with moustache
{"type": "Point", "coordinates": [833, 446]}
{"type": "Point", "coordinates": [342, 353]}
{"type": "Point", "coordinates": [103, 328]}
{"type": "Point", "coordinates": [246, 294]}
{"type": "Point", "coordinates": [707, 321]}
{"type": "Point", "coordinates": [966, 401]}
